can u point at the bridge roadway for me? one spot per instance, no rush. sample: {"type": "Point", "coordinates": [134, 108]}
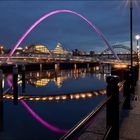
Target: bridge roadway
{"type": "Point", "coordinates": [35, 63]}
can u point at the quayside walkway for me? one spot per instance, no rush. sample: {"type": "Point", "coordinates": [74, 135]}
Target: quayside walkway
{"type": "Point", "coordinates": [130, 127]}
{"type": "Point", "coordinates": [128, 121]}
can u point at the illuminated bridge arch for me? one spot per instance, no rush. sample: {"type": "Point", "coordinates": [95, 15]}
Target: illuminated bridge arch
{"type": "Point", "coordinates": [36, 116]}
{"type": "Point", "coordinates": [119, 46]}
{"type": "Point", "coordinates": [53, 13]}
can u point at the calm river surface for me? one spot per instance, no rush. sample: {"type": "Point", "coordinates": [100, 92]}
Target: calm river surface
{"type": "Point", "coordinates": [50, 119]}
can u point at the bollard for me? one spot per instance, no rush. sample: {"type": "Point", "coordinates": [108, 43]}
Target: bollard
{"type": "Point", "coordinates": [134, 75]}
{"type": "Point", "coordinates": [57, 67]}
{"type": "Point", "coordinates": [112, 114]}
{"type": "Point", "coordinates": [88, 67]}
{"type": "Point", "coordinates": [1, 101]}
{"type": "Point", "coordinates": [103, 69]}
{"type": "Point", "coordinates": [75, 66]}
{"type": "Point", "coordinates": [40, 67]}
{"type": "Point", "coordinates": [15, 85]}
{"type": "Point", "coordinates": [126, 89]}
{"type": "Point", "coordinates": [23, 79]}
{"type": "Point", "coordinates": [132, 81]}
{"type": "Point", "coordinates": [136, 72]}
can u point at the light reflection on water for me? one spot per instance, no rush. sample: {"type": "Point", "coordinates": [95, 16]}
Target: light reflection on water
{"type": "Point", "coordinates": [62, 114]}
{"type": "Point", "coordinates": [52, 82]}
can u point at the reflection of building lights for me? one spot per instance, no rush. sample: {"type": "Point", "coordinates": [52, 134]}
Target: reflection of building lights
{"type": "Point", "coordinates": [37, 99]}
{"type": "Point", "coordinates": [89, 95]}
{"type": "Point", "coordinates": [120, 66]}
{"type": "Point", "coordinates": [42, 82]}
{"type": "Point", "coordinates": [3, 83]}
{"type": "Point", "coordinates": [57, 97]}
{"type": "Point", "coordinates": [97, 68]}
{"type": "Point", "coordinates": [75, 73]}
{"type": "Point", "coordinates": [44, 98]}
{"type": "Point", "coordinates": [102, 91]}
{"type": "Point", "coordinates": [96, 93]}
{"type": "Point", "coordinates": [64, 97]}
{"type": "Point", "coordinates": [77, 96]}
{"type": "Point", "coordinates": [83, 95]}
{"type": "Point", "coordinates": [71, 96]}
{"type": "Point", "coordinates": [58, 81]}
{"type": "Point", "coordinates": [19, 98]}
{"type": "Point", "coordinates": [31, 99]}
{"type": "Point", "coordinates": [99, 76]}
{"type": "Point", "coordinates": [50, 98]}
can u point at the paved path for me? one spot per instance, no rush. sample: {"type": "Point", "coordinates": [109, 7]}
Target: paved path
{"type": "Point", "coordinates": [130, 128]}
{"type": "Point", "coordinates": [129, 122]}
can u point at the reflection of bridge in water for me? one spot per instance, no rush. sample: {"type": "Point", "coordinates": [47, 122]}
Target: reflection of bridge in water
{"type": "Point", "coordinates": [61, 97]}
{"type": "Point", "coordinates": [40, 79]}
{"type": "Point", "coordinates": [43, 78]}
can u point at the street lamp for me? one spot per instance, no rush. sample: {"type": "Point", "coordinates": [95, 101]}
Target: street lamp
{"type": "Point", "coordinates": [131, 33]}
{"type": "Point", "coordinates": [137, 38]}
{"type": "Point", "coordinates": [137, 45]}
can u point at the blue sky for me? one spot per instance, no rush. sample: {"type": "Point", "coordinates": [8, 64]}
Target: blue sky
{"type": "Point", "coordinates": [111, 17]}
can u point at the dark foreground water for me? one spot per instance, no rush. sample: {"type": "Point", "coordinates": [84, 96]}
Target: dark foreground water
{"type": "Point", "coordinates": [48, 120]}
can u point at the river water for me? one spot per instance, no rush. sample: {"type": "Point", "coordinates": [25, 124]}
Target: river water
{"type": "Point", "coordinates": [50, 119]}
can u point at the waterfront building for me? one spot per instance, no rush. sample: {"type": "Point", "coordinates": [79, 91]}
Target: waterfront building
{"type": "Point", "coordinates": [1, 49]}
{"type": "Point", "coordinates": [37, 48]}
{"type": "Point", "coordinates": [59, 50]}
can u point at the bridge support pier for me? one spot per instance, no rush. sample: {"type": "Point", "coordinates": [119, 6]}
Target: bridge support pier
{"type": "Point", "coordinates": [132, 80]}
{"type": "Point", "coordinates": [75, 66]}
{"type": "Point", "coordinates": [40, 67]}
{"type": "Point", "coordinates": [15, 85]}
{"type": "Point", "coordinates": [23, 79]}
{"type": "Point", "coordinates": [57, 67]}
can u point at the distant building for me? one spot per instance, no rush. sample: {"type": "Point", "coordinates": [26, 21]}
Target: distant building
{"type": "Point", "coordinates": [92, 53]}
{"type": "Point", "coordinates": [19, 50]}
{"type": "Point", "coordinates": [59, 50]}
{"type": "Point", "coordinates": [37, 49]}
{"type": "Point", "coordinates": [1, 49]}
{"type": "Point", "coordinates": [76, 52]}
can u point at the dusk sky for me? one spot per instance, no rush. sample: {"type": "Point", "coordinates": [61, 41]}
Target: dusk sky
{"type": "Point", "coordinates": [109, 16]}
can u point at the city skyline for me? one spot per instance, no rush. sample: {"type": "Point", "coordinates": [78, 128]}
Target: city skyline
{"type": "Point", "coordinates": [112, 18]}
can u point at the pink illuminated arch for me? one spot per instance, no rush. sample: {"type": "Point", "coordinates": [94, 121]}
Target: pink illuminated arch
{"type": "Point", "coordinates": [53, 13]}
{"type": "Point", "coordinates": [37, 117]}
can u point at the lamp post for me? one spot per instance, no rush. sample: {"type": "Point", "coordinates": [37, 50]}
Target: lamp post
{"type": "Point", "coordinates": [137, 45]}
{"type": "Point", "coordinates": [131, 34]}
{"type": "Point", "coordinates": [137, 39]}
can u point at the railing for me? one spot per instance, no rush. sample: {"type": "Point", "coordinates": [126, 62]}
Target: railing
{"type": "Point", "coordinates": [84, 123]}
{"type": "Point", "coordinates": [112, 107]}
